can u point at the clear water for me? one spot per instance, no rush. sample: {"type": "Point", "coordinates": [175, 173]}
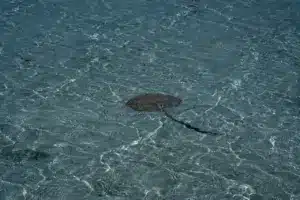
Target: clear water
{"type": "Point", "coordinates": [67, 67]}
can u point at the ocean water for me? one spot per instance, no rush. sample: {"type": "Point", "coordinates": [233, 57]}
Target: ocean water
{"type": "Point", "coordinates": [68, 67]}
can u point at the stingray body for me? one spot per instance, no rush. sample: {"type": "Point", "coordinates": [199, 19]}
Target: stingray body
{"type": "Point", "coordinates": [157, 102]}
{"type": "Point", "coordinates": [152, 102]}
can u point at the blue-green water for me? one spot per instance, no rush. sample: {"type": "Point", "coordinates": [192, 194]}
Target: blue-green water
{"type": "Point", "coordinates": [68, 67]}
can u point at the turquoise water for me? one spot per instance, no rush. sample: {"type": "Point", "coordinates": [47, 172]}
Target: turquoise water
{"type": "Point", "coordinates": [68, 67]}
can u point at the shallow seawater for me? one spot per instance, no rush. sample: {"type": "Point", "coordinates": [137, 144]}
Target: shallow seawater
{"type": "Point", "coordinates": [68, 68]}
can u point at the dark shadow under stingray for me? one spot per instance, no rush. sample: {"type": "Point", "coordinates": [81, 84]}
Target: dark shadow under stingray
{"type": "Point", "coordinates": [157, 102]}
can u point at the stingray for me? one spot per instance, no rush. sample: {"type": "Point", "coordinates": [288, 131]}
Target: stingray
{"type": "Point", "coordinates": [22, 154]}
{"type": "Point", "coordinates": [157, 102]}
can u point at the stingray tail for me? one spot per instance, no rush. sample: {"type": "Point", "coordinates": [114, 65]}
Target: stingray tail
{"type": "Point", "coordinates": [187, 125]}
